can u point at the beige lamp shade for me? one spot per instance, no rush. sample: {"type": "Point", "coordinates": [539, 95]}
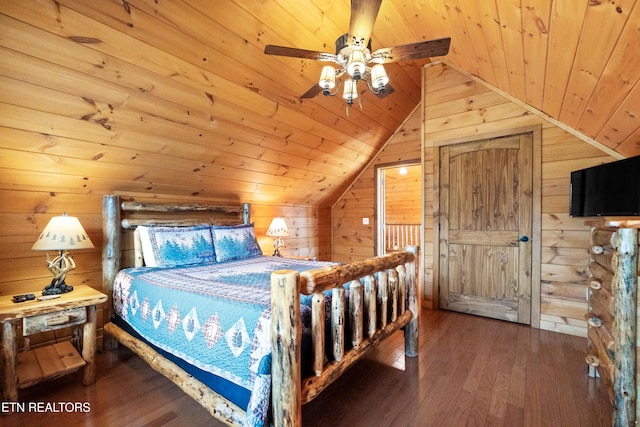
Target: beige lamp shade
{"type": "Point", "coordinates": [278, 228]}
{"type": "Point", "coordinates": [63, 233]}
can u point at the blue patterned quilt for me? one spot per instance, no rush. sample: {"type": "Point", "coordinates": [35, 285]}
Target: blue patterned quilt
{"type": "Point", "coordinates": [213, 316]}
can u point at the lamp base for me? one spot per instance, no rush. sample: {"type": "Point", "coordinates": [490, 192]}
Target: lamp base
{"type": "Point", "coordinates": [57, 287]}
{"type": "Point", "coordinates": [277, 244]}
{"type": "Point", "coordinates": [59, 267]}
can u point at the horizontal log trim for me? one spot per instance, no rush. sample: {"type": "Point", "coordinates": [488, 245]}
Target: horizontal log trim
{"type": "Point", "coordinates": [218, 406]}
{"type": "Point", "coordinates": [610, 223]}
{"type": "Point", "coordinates": [130, 224]}
{"type": "Point", "coordinates": [602, 237]}
{"type": "Point", "coordinates": [605, 258]}
{"type": "Point", "coordinates": [324, 278]}
{"type": "Point", "coordinates": [189, 207]}
{"type": "Point", "coordinates": [312, 386]}
{"type": "Point", "coordinates": [592, 360]}
{"type": "Point", "coordinates": [598, 348]}
{"type": "Point", "coordinates": [594, 283]}
{"type": "Point", "coordinates": [602, 274]}
{"type": "Point", "coordinates": [601, 305]}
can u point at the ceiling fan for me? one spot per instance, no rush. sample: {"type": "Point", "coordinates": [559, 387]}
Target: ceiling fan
{"type": "Point", "coordinates": [356, 62]}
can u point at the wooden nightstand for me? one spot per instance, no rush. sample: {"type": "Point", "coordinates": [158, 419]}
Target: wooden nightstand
{"type": "Point", "coordinates": [30, 367]}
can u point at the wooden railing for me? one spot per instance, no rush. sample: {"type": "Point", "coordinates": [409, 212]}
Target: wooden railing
{"type": "Point", "coordinates": [399, 236]}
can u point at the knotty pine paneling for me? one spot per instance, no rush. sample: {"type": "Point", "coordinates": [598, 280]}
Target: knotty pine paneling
{"type": "Point", "coordinates": [177, 98]}
{"type": "Point", "coordinates": [351, 239]}
{"type": "Point", "coordinates": [457, 107]}
{"type": "Point", "coordinates": [403, 201]}
{"type": "Point", "coordinates": [134, 104]}
{"type": "Point", "coordinates": [564, 259]}
{"type": "Point", "coordinates": [25, 213]}
{"type": "Point", "coordinates": [90, 106]}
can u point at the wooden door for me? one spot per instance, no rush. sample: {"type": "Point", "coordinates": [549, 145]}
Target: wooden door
{"type": "Point", "coordinates": [485, 227]}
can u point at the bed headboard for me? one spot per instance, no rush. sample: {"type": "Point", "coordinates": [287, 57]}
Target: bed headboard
{"type": "Point", "coordinates": [121, 244]}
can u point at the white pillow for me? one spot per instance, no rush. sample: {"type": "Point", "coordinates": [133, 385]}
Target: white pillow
{"type": "Point", "coordinates": [147, 249]}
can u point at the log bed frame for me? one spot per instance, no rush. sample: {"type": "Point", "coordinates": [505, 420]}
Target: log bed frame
{"type": "Point", "coordinates": [379, 305]}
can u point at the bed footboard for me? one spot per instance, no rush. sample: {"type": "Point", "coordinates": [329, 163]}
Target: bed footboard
{"type": "Point", "coordinates": [384, 297]}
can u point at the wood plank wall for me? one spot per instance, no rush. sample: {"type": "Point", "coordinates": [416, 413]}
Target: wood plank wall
{"type": "Point", "coordinates": [77, 122]}
{"type": "Point", "coordinates": [403, 195]}
{"type": "Point", "coordinates": [457, 107]}
{"type": "Point", "coordinates": [24, 213]}
{"type": "Point", "coordinates": [353, 240]}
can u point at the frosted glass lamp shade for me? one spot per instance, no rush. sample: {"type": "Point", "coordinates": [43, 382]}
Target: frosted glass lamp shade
{"type": "Point", "coordinates": [356, 64]}
{"type": "Point", "coordinates": [328, 78]}
{"type": "Point", "coordinates": [350, 92]}
{"type": "Point", "coordinates": [379, 77]}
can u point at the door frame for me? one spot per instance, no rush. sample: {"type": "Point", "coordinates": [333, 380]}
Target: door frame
{"type": "Point", "coordinates": [379, 205]}
{"type": "Point", "coordinates": [536, 213]}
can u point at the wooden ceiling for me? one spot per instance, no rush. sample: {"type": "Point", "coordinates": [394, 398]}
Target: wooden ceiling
{"type": "Point", "coordinates": [182, 99]}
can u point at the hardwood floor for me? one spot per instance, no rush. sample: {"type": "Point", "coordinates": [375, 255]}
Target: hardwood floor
{"type": "Point", "coordinates": [470, 371]}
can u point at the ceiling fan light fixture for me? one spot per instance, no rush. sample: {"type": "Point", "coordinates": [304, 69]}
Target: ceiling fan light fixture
{"type": "Point", "coordinates": [355, 58]}
{"type": "Point", "coordinates": [327, 79]}
{"type": "Point", "coordinates": [350, 92]}
{"type": "Point", "coordinates": [379, 78]}
{"type": "Point", "coordinates": [356, 65]}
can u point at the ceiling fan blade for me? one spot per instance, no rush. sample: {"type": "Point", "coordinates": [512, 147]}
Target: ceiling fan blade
{"type": "Point", "coordinates": [426, 49]}
{"type": "Point", "coordinates": [363, 16]}
{"type": "Point", "coordinates": [299, 53]}
{"type": "Point", "coordinates": [312, 92]}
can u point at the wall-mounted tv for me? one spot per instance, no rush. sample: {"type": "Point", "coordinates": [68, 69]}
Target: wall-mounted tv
{"type": "Point", "coordinates": [611, 189]}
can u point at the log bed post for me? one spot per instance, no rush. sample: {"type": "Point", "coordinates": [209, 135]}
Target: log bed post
{"type": "Point", "coordinates": [624, 284]}
{"type": "Point", "coordinates": [411, 335]}
{"type": "Point", "coordinates": [110, 258]}
{"type": "Point", "coordinates": [286, 335]}
{"type": "Point", "coordinates": [246, 213]}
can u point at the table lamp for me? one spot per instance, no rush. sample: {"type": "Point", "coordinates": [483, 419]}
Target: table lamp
{"type": "Point", "coordinates": [278, 229]}
{"type": "Point", "coordinates": [62, 233]}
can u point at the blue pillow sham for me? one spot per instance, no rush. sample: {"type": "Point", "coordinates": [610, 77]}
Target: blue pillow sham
{"type": "Point", "coordinates": [182, 246]}
{"type": "Point", "coordinates": [235, 242]}
{"type": "Point", "coordinates": [176, 246]}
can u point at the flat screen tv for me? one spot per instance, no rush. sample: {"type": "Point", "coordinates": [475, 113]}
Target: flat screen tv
{"type": "Point", "coordinates": [612, 189]}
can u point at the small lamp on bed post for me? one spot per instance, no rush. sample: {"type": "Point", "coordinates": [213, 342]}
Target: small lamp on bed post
{"type": "Point", "coordinates": [61, 234]}
{"type": "Point", "coordinates": [278, 229]}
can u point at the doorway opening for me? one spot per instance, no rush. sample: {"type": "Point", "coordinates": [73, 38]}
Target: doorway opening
{"type": "Point", "coordinates": [398, 206]}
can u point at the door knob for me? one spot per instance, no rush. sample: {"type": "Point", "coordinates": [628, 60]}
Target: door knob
{"type": "Point", "coordinates": [524, 239]}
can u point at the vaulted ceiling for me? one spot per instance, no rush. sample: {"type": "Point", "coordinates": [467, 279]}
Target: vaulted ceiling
{"type": "Point", "coordinates": [186, 97]}
{"type": "Point", "coordinates": [576, 61]}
